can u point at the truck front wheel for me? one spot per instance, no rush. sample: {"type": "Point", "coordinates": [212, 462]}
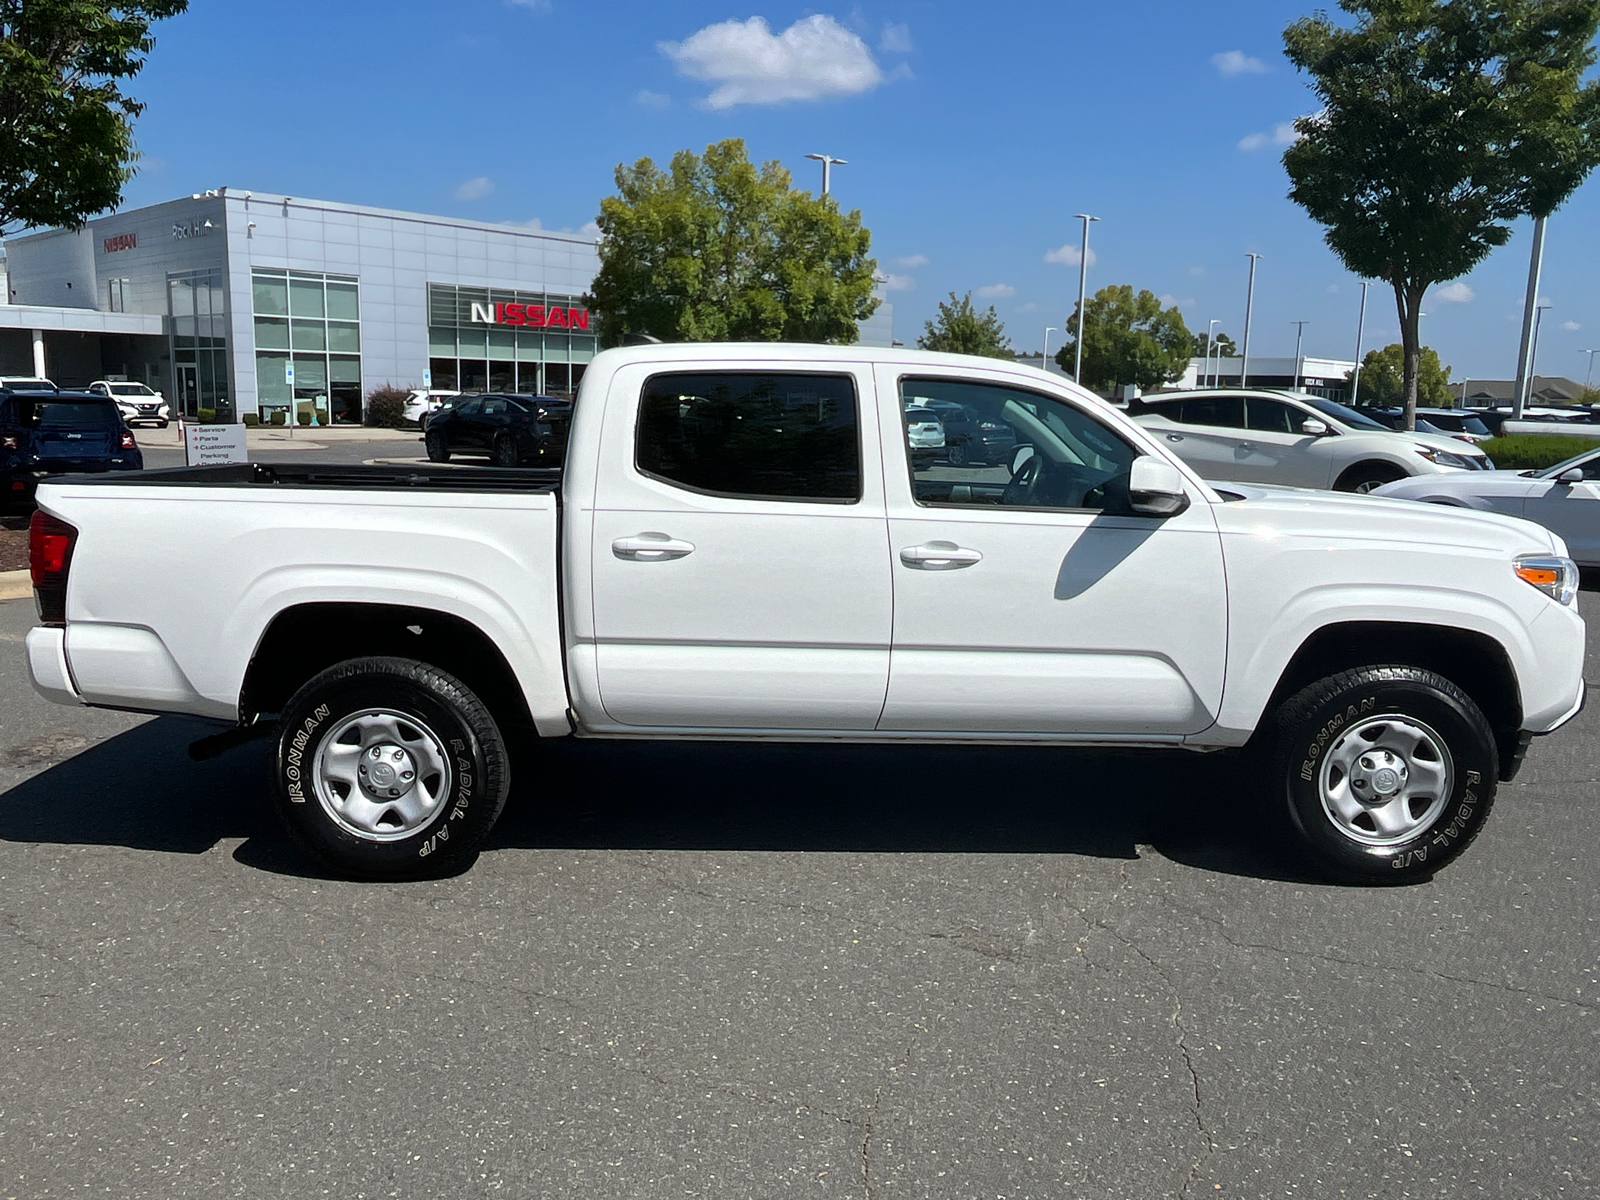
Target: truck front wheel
{"type": "Point", "coordinates": [389, 768]}
{"type": "Point", "coordinates": [1387, 773]}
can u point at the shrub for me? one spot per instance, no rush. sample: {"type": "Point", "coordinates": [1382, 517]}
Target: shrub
{"type": "Point", "coordinates": [1535, 451]}
{"type": "Point", "coordinates": [251, 419]}
{"type": "Point", "coordinates": [208, 416]}
{"type": "Point", "coordinates": [386, 407]}
{"type": "Point", "coordinates": [303, 419]}
{"type": "Point", "coordinates": [279, 418]}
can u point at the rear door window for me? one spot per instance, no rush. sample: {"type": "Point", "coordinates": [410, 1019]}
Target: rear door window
{"type": "Point", "coordinates": [1273, 416]}
{"type": "Point", "coordinates": [752, 435]}
{"type": "Point", "coordinates": [1226, 411]}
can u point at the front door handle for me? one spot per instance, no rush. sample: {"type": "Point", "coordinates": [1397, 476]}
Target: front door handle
{"type": "Point", "coordinates": [939, 556]}
{"type": "Point", "coordinates": [650, 547]}
{"type": "Point", "coordinates": [1174, 437]}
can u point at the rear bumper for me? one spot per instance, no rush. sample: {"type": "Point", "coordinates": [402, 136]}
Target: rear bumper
{"type": "Point", "coordinates": [47, 665]}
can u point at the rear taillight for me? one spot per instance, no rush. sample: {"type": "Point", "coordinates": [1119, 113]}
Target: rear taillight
{"type": "Point", "coordinates": [127, 440]}
{"type": "Point", "coordinates": [10, 441]}
{"type": "Point", "coordinates": [50, 542]}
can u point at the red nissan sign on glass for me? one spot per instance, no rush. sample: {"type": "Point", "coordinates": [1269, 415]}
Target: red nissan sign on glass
{"type": "Point", "coordinates": [538, 316]}
{"type": "Point", "coordinates": [122, 241]}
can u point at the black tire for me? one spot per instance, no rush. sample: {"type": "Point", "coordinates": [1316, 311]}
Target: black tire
{"type": "Point", "coordinates": [504, 453]}
{"type": "Point", "coordinates": [460, 772]}
{"type": "Point", "coordinates": [161, 424]}
{"type": "Point", "coordinates": [1363, 477]}
{"type": "Point", "coordinates": [958, 454]}
{"type": "Point", "coordinates": [1352, 829]}
{"type": "Point", "coordinates": [438, 451]}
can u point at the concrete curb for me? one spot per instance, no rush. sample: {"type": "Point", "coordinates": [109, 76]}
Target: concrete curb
{"type": "Point", "coordinates": [14, 585]}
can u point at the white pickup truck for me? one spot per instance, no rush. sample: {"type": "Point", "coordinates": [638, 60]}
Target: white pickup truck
{"type": "Point", "coordinates": [742, 545]}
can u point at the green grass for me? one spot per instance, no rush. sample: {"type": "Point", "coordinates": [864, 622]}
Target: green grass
{"type": "Point", "coordinates": [1535, 451]}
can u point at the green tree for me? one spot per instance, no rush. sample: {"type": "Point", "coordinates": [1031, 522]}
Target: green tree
{"type": "Point", "coordinates": [1440, 122]}
{"type": "Point", "coordinates": [962, 329]}
{"type": "Point", "coordinates": [1221, 344]}
{"type": "Point", "coordinates": [713, 249]}
{"type": "Point", "coordinates": [1128, 338]}
{"type": "Point", "coordinates": [66, 128]}
{"type": "Point", "coordinates": [1383, 378]}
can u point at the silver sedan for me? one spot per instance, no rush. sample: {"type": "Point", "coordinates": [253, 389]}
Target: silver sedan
{"type": "Point", "coordinates": [1565, 498]}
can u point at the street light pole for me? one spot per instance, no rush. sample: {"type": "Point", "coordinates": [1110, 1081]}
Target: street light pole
{"type": "Point", "coordinates": [1044, 357]}
{"type": "Point", "coordinates": [827, 160]}
{"type": "Point", "coordinates": [1361, 325]}
{"type": "Point", "coordinates": [1590, 375]}
{"type": "Point", "coordinates": [1211, 341]}
{"type": "Point", "coordinates": [1249, 305]}
{"type": "Point", "coordinates": [1083, 278]}
{"type": "Point", "coordinates": [1530, 336]}
{"type": "Point", "coordinates": [1299, 340]}
{"type": "Point", "coordinates": [1533, 353]}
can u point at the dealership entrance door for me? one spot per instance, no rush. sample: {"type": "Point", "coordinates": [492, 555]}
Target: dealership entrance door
{"type": "Point", "coordinates": [188, 388]}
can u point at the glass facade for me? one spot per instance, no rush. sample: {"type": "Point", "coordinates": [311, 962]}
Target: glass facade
{"type": "Point", "coordinates": [197, 310]}
{"type": "Point", "coordinates": [500, 340]}
{"type": "Point", "coordinates": [312, 323]}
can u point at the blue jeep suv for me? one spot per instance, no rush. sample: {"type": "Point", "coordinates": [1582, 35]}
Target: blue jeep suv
{"type": "Point", "coordinates": [52, 433]}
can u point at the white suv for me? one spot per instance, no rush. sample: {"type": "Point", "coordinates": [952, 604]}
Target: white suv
{"type": "Point", "coordinates": [1296, 440]}
{"type": "Point", "coordinates": [135, 401]}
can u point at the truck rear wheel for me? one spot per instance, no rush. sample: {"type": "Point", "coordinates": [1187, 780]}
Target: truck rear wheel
{"type": "Point", "coordinates": [389, 768]}
{"type": "Point", "coordinates": [1387, 773]}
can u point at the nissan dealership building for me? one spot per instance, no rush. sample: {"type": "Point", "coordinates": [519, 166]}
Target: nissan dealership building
{"type": "Point", "coordinates": [243, 302]}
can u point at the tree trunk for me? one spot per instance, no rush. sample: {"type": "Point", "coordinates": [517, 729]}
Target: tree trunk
{"type": "Point", "coordinates": [1409, 302]}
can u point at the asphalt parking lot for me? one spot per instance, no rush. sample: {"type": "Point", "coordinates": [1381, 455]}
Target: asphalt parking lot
{"type": "Point", "coordinates": [734, 971]}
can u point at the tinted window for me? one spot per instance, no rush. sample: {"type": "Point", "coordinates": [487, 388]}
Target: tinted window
{"type": "Point", "coordinates": [1227, 411]}
{"type": "Point", "coordinates": [66, 414]}
{"type": "Point", "coordinates": [1343, 414]}
{"type": "Point", "coordinates": [467, 408]}
{"type": "Point", "coordinates": [1065, 457]}
{"type": "Point", "coordinates": [745, 434]}
{"type": "Point", "coordinates": [1273, 416]}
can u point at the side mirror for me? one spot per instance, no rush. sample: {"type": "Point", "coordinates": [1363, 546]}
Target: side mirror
{"type": "Point", "coordinates": [1155, 488]}
{"type": "Point", "coordinates": [1570, 476]}
{"type": "Point", "coordinates": [1021, 455]}
{"type": "Point", "coordinates": [1312, 427]}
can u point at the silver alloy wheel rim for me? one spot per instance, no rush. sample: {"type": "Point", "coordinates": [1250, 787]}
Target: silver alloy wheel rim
{"type": "Point", "coordinates": [1386, 779]}
{"type": "Point", "coordinates": [382, 775]}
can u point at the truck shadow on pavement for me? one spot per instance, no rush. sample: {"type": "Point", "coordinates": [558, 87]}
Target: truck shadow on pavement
{"type": "Point", "coordinates": [140, 790]}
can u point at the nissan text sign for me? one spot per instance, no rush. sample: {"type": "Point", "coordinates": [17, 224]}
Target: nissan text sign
{"type": "Point", "coordinates": [537, 316]}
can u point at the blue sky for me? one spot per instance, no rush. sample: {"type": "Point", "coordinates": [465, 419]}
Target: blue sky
{"type": "Point", "coordinates": [973, 134]}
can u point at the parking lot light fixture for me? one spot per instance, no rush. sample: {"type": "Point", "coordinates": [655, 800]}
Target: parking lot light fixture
{"type": "Point", "coordinates": [1361, 325]}
{"type": "Point", "coordinates": [1589, 375]}
{"type": "Point", "coordinates": [1083, 278]}
{"type": "Point", "coordinates": [827, 160]}
{"type": "Point", "coordinates": [1044, 358]}
{"type": "Point", "coordinates": [1211, 342]}
{"type": "Point", "coordinates": [1299, 340]}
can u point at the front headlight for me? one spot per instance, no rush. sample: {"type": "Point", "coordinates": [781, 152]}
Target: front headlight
{"type": "Point", "coordinates": [1444, 458]}
{"type": "Point", "coordinates": [1553, 575]}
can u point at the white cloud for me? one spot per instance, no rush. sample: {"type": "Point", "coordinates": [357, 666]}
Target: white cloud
{"type": "Point", "coordinates": [912, 260]}
{"type": "Point", "coordinates": [896, 39]}
{"type": "Point", "coordinates": [475, 188]}
{"type": "Point", "coordinates": [1068, 256]}
{"type": "Point", "coordinates": [1169, 300]}
{"type": "Point", "coordinates": [814, 59]}
{"type": "Point", "coordinates": [1282, 134]}
{"type": "Point", "coordinates": [652, 99]}
{"type": "Point", "coordinates": [1332, 289]}
{"type": "Point", "coordinates": [1454, 293]}
{"type": "Point", "coordinates": [589, 229]}
{"type": "Point", "coordinates": [1197, 270]}
{"type": "Point", "coordinates": [1030, 306]}
{"type": "Point", "coordinates": [995, 291]}
{"type": "Point", "coordinates": [1237, 62]}
{"type": "Point", "coordinates": [895, 283]}
{"type": "Point", "coordinates": [1571, 326]}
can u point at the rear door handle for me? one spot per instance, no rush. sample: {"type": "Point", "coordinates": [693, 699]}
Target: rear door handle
{"type": "Point", "coordinates": [1174, 437]}
{"type": "Point", "coordinates": [939, 556]}
{"type": "Point", "coordinates": [650, 547]}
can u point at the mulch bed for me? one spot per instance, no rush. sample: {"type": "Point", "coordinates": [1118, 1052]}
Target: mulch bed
{"type": "Point", "coordinates": [13, 545]}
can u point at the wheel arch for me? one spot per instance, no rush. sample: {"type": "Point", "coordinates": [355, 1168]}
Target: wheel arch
{"type": "Point", "coordinates": [307, 638]}
{"type": "Point", "coordinates": [1475, 662]}
{"type": "Point", "coordinates": [1372, 463]}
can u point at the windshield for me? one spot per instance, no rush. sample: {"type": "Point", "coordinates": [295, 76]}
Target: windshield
{"type": "Point", "coordinates": [130, 389]}
{"type": "Point", "coordinates": [30, 385]}
{"type": "Point", "coordinates": [1577, 460]}
{"type": "Point", "coordinates": [1343, 415]}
